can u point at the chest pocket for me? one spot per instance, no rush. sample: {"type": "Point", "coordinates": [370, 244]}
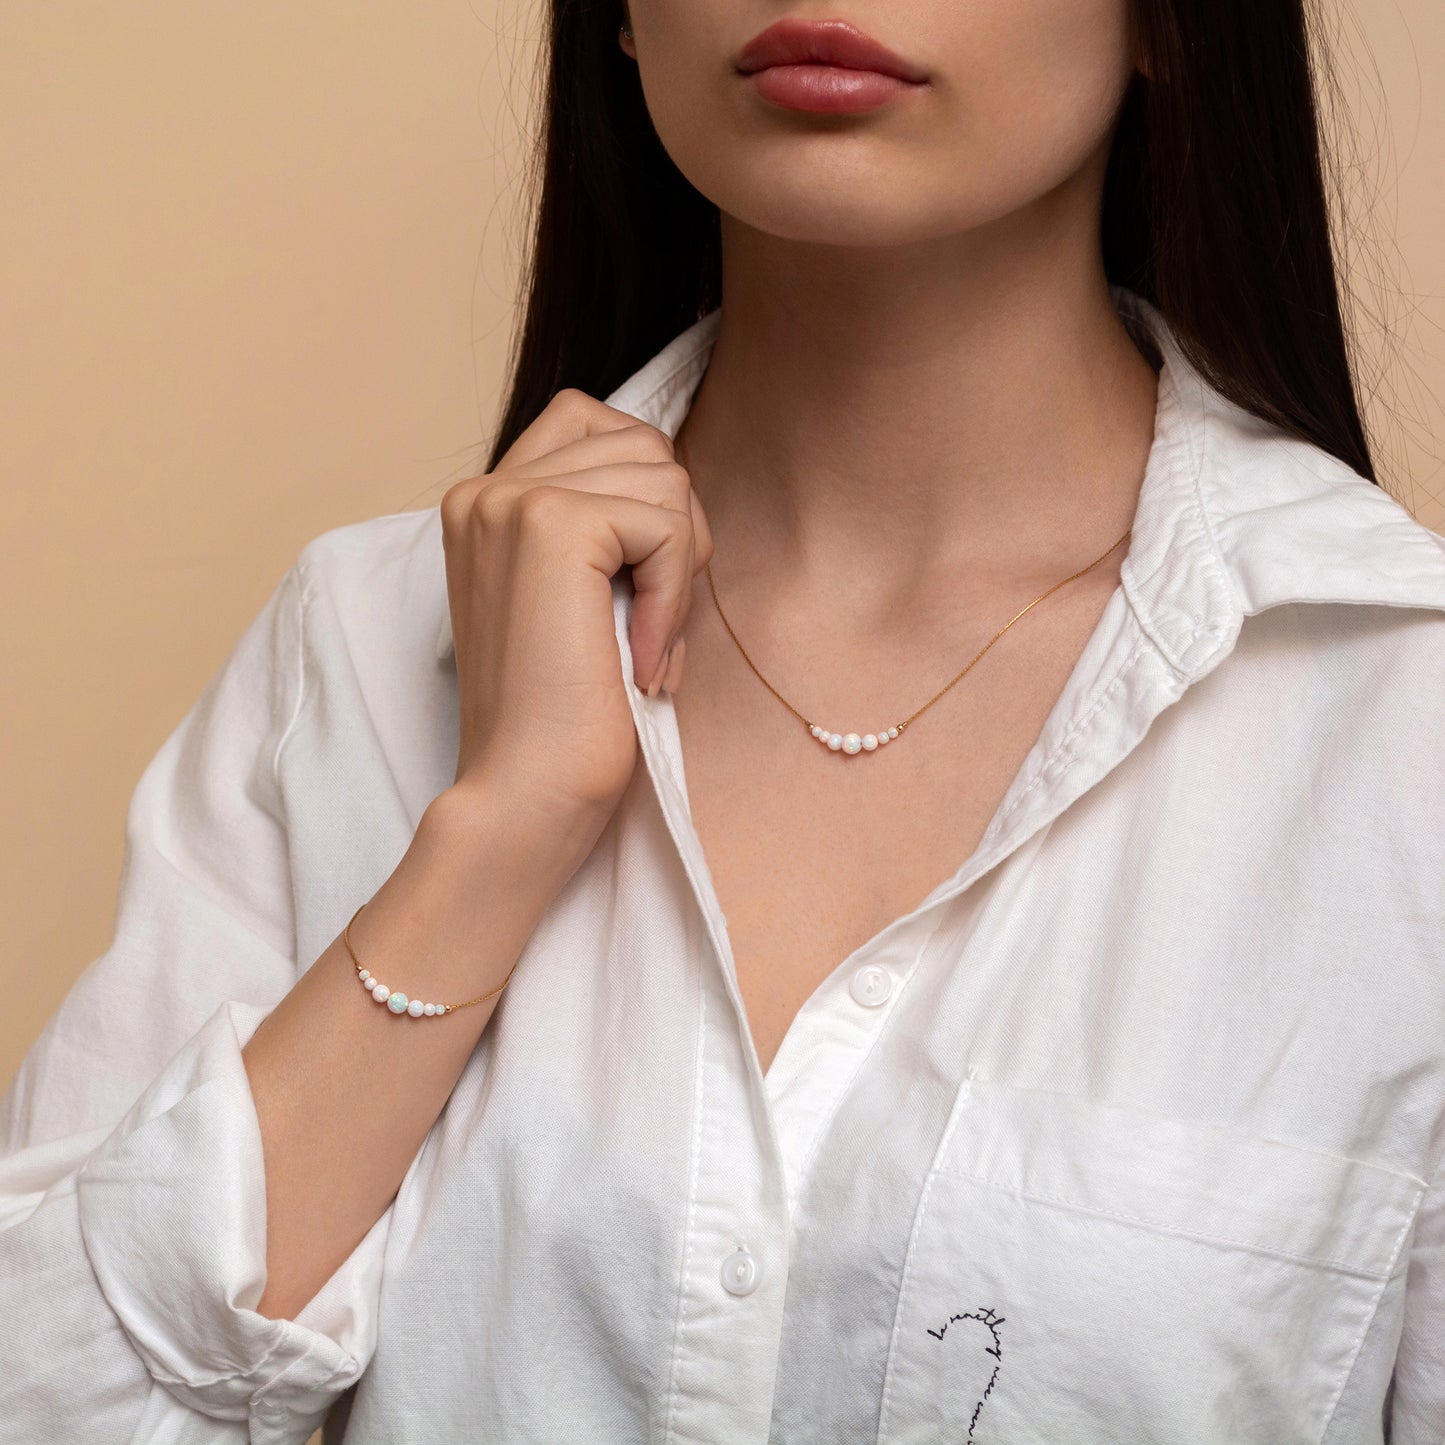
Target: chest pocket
{"type": "Point", "coordinates": [1082, 1272]}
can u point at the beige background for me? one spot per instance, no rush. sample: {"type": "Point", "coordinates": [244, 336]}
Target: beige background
{"type": "Point", "coordinates": [256, 281]}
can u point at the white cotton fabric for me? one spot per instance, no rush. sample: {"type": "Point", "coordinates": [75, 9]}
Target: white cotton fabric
{"type": "Point", "coordinates": [1134, 1135]}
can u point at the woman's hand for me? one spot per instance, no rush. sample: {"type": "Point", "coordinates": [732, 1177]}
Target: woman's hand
{"type": "Point", "coordinates": [530, 551]}
{"type": "Point", "coordinates": [546, 750]}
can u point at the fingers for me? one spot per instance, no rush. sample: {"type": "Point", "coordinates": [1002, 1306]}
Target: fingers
{"type": "Point", "coordinates": [568, 417]}
{"type": "Point", "coordinates": [585, 474]}
{"type": "Point", "coordinates": [637, 442]}
{"type": "Point", "coordinates": [672, 678]}
{"type": "Point", "coordinates": [658, 542]}
{"type": "Point", "coordinates": [614, 469]}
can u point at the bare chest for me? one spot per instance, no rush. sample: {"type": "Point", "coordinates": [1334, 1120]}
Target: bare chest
{"type": "Point", "coordinates": [814, 852]}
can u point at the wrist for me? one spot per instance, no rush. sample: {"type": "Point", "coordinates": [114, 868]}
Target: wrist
{"type": "Point", "coordinates": [486, 827]}
{"type": "Point", "coordinates": [462, 902]}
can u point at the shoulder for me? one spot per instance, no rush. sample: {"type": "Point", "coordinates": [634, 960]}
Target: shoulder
{"type": "Point", "coordinates": [378, 584]}
{"type": "Point", "coordinates": [1294, 524]}
{"type": "Point", "coordinates": [1339, 588]}
{"type": "Point", "coordinates": [376, 714]}
{"type": "Point", "coordinates": [1332, 574]}
{"type": "Point", "coordinates": [391, 548]}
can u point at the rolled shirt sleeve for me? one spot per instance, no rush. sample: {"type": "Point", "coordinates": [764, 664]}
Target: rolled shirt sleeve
{"type": "Point", "coordinates": [132, 1182]}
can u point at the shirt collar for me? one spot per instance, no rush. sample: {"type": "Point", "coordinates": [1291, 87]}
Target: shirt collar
{"type": "Point", "coordinates": [1234, 515]}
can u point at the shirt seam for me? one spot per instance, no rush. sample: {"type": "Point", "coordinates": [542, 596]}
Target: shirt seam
{"type": "Point", "coordinates": [699, 1096]}
{"type": "Point", "coordinates": [1215, 554]}
{"type": "Point", "coordinates": [1197, 444]}
{"type": "Point", "coordinates": [1070, 738]}
{"type": "Point", "coordinates": [702, 345]}
{"type": "Point", "coordinates": [683, 362]}
{"type": "Point", "coordinates": [208, 1381]}
{"type": "Point", "coordinates": [1369, 1322]}
{"type": "Point", "coordinates": [266, 1395]}
{"type": "Point", "coordinates": [910, 1253]}
{"type": "Point", "coordinates": [1403, 1175]}
{"type": "Point", "coordinates": [300, 583]}
{"type": "Point", "coordinates": [1183, 1231]}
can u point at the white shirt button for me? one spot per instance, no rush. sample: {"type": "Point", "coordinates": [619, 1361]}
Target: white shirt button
{"type": "Point", "coordinates": [740, 1272]}
{"type": "Point", "coordinates": [871, 985]}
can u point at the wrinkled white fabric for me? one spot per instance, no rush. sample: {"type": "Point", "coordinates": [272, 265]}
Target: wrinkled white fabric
{"type": "Point", "coordinates": [1131, 1132]}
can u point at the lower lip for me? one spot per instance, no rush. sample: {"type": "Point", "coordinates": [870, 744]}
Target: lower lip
{"type": "Point", "coordinates": [827, 89]}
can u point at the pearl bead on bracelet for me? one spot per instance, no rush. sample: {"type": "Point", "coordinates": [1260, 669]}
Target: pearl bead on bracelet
{"type": "Point", "coordinates": [398, 1002]}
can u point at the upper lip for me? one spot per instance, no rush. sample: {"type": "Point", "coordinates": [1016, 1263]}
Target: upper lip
{"type": "Point", "coordinates": [822, 42]}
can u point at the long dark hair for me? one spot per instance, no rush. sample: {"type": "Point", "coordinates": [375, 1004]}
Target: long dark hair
{"type": "Point", "coordinates": [1215, 209]}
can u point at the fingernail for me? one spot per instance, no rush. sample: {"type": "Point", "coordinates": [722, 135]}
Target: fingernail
{"type": "Point", "coordinates": [674, 664]}
{"type": "Point", "coordinates": [661, 673]}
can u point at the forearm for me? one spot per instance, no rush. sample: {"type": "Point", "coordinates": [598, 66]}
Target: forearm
{"type": "Point", "coordinates": [346, 1091]}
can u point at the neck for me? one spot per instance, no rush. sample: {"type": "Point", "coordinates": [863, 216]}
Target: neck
{"type": "Point", "coordinates": [969, 403]}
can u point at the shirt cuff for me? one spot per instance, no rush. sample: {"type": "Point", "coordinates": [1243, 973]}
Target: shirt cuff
{"type": "Point", "coordinates": [172, 1210]}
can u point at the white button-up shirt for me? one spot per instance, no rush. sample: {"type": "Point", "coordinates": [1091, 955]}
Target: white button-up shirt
{"type": "Point", "coordinates": [1130, 1131]}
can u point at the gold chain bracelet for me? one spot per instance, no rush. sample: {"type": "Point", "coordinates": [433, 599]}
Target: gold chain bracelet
{"type": "Point", "coordinates": [399, 1003]}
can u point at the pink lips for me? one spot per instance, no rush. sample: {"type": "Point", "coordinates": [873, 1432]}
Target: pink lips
{"type": "Point", "coordinates": [826, 66]}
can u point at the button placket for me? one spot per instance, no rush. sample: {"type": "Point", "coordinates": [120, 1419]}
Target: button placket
{"type": "Point", "coordinates": [834, 1033]}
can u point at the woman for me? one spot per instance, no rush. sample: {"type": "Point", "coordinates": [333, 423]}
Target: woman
{"type": "Point", "coordinates": [1020, 1020]}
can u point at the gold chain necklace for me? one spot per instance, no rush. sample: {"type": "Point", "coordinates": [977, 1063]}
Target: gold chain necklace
{"type": "Point", "coordinates": [854, 743]}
